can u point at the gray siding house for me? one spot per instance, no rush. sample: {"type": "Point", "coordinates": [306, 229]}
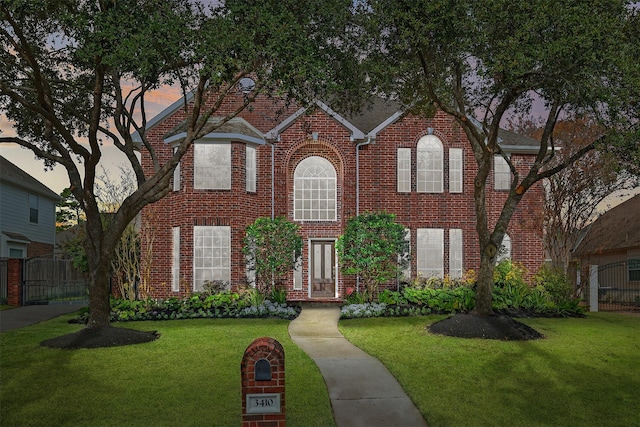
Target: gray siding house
{"type": "Point", "coordinates": [27, 214]}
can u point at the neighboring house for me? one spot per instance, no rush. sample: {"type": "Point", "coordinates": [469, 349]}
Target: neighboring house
{"type": "Point", "coordinates": [318, 168]}
{"type": "Point", "coordinates": [614, 238]}
{"type": "Point", "coordinates": [27, 214]}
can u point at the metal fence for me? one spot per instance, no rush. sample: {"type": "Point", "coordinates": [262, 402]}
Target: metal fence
{"type": "Point", "coordinates": [618, 288]}
{"type": "Point", "coordinates": [52, 280]}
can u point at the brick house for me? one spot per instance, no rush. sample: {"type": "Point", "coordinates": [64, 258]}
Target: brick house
{"type": "Point", "coordinates": [319, 168]}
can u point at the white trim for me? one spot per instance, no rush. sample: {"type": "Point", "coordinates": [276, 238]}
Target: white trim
{"type": "Point", "coordinates": [274, 133]}
{"type": "Point", "coordinates": [169, 111]}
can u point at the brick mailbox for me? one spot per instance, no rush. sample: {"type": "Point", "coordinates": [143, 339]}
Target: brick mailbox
{"type": "Point", "coordinates": [262, 372]}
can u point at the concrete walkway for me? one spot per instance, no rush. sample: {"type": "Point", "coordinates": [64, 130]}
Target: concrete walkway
{"type": "Point", "coordinates": [23, 316]}
{"type": "Point", "coordinates": [362, 391]}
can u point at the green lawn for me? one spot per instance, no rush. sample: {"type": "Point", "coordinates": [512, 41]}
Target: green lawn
{"type": "Point", "coordinates": [189, 377]}
{"type": "Point", "coordinates": [584, 373]}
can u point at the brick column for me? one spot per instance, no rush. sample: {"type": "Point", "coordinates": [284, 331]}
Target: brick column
{"type": "Point", "coordinates": [14, 281]}
{"type": "Point", "coordinates": [263, 390]}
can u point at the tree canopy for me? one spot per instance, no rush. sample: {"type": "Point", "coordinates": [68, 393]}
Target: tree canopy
{"type": "Point", "coordinates": [481, 62]}
{"type": "Point", "coordinates": [75, 75]}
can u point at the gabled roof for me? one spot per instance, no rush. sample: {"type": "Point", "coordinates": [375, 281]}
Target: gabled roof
{"type": "Point", "coordinates": [237, 129]}
{"type": "Point", "coordinates": [367, 123]}
{"type": "Point", "coordinates": [618, 228]}
{"type": "Point", "coordinates": [12, 174]}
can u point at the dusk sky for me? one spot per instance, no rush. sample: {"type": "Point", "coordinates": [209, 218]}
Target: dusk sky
{"type": "Point", "coordinates": [57, 179]}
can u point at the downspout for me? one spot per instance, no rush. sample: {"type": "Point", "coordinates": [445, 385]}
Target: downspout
{"type": "Point", "coordinates": [273, 182]}
{"type": "Point", "coordinates": [360, 144]}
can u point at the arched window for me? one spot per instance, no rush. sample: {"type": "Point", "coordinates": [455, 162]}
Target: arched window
{"type": "Point", "coordinates": [314, 190]}
{"type": "Point", "coordinates": [429, 167]}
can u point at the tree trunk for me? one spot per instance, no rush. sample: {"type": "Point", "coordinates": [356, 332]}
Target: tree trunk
{"type": "Point", "coordinates": [99, 296]}
{"type": "Point", "coordinates": [484, 286]}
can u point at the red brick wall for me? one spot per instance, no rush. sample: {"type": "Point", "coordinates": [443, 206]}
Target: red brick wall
{"type": "Point", "coordinates": [237, 208]}
{"type": "Point", "coordinates": [36, 249]}
{"type": "Point", "coordinates": [272, 351]}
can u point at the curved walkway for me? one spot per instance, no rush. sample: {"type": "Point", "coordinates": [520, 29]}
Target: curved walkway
{"type": "Point", "coordinates": [362, 391]}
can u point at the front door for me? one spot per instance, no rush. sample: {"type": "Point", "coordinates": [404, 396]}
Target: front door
{"type": "Point", "coordinates": [322, 259]}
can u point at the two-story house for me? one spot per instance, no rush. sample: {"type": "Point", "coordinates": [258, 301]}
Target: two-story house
{"type": "Point", "coordinates": [27, 214]}
{"type": "Point", "coordinates": [318, 168]}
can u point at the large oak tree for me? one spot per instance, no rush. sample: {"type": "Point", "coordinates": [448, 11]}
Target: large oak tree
{"type": "Point", "coordinates": [482, 61]}
{"type": "Point", "coordinates": [75, 75]}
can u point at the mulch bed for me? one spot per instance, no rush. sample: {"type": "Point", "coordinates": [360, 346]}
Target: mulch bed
{"type": "Point", "coordinates": [495, 327]}
{"type": "Point", "coordinates": [103, 337]}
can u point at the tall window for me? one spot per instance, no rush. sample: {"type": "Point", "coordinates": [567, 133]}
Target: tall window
{"type": "Point", "coordinates": [314, 190]}
{"type": "Point", "coordinates": [429, 172]}
{"type": "Point", "coordinates": [430, 252]}
{"type": "Point", "coordinates": [211, 255]}
{"type": "Point", "coordinates": [455, 253]}
{"type": "Point", "coordinates": [455, 170]}
{"type": "Point", "coordinates": [34, 202]}
{"type": "Point", "coordinates": [251, 169]}
{"type": "Point", "coordinates": [501, 173]}
{"type": "Point", "coordinates": [404, 170]}
{"type": "Point", "coordinates": [406, 257]}
{"type": "Point", "coordinates": [212, 166]}
{"type": "Point", "coordinates": [175, 260]}
{"type": "Point", "coordinates": [176, 174]}
{"type": "Point", "coordinates": [505, 249]}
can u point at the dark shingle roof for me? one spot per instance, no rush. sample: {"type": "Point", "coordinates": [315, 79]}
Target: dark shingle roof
{"type": "Point", "coordinates": [12, 174]}
{"type": "Point", "coordinates": [618, 228]}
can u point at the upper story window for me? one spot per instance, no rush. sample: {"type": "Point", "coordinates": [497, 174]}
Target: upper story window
{"type": "Point", "coordinates": [501, 173]}
{"type": "Point", "coordinates": [455, 170]}
{"type": "Point", "coordinates": [404, 170]}
{"type": "Point", "coordinates": [34, 202]}
{"type": "Point", "coordinates": [429, 167]}
{"type": "Point", "coordinates": [314, 190]}
{"type": "Point", "coordinates": [212, 166]}
{"type": "Point", "coordinates": [176, 174]}
{"type": "Point", "coordinates": [250, 169]}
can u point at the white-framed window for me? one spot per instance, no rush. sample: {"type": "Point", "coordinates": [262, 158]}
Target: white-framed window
{"type": "Point", "coordinates": [34, 208]}
{"type": "Point", "coordinates": [297, 275]}
{"type": "Point", "coordinates": [429, 165]}
{"type": "Point", "coordinates": [430, 252]}
{"type": "Point", "coordinates": [176, 174]}
{"type": "Point", "coordinates": [404, 170]}
{"type": "Point", "coordinates": [455, 253]}
{"type": "Point", "coordinates": [211, 255]}
{"type": "Point", "coordinates": [175, 260]}
{"type": "Point", "coordinates": [406, 257]}
{"type": "Point", "coordinates": [212, 166]}
{"type": "Point", "coordinates": [314, 190]}
{"type": "Point", "coordinates": [455, 170]}
{"type": "Point", "coordinates": [505, 250]}
{"type": "Point", "coordinates": [501, 173]}
{"type": "Point", "coordinates": [251, 169]}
